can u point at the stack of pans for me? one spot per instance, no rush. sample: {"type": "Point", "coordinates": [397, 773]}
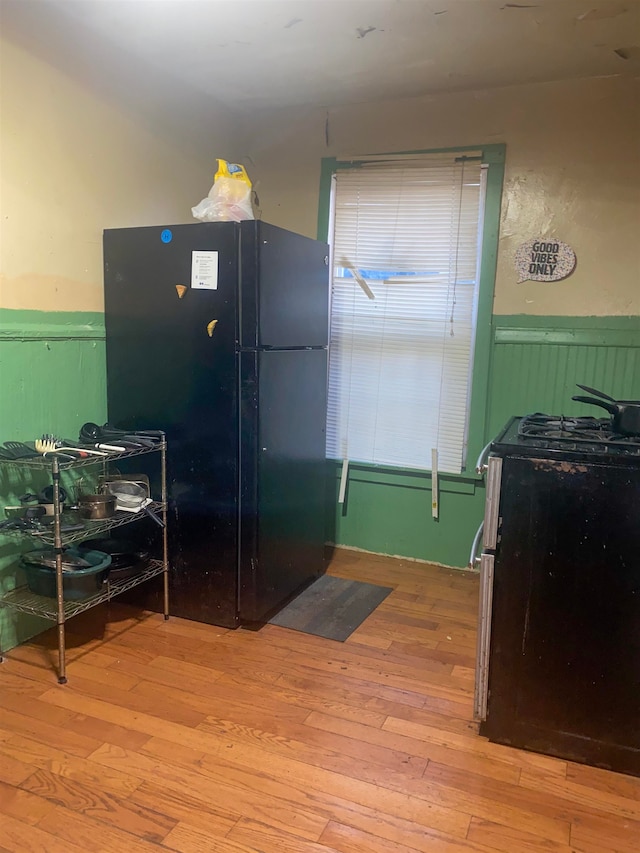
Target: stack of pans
{"type": "Point", "coordinates": [127, 559]}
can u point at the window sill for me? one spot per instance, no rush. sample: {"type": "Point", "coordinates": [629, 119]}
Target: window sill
{"type": "Point", "coordinates": [461, 484]}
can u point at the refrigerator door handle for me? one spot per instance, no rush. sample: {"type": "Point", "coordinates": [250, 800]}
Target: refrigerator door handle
{"type": "Point", "coordinates": [492, 503]}
{"type": "Point", "coordinates": [481, 693]}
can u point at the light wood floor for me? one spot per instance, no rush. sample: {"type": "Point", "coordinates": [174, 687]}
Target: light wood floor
{"type": "Point", "coordinates": [184, 737]}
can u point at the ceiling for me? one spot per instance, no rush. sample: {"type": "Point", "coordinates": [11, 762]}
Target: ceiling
{"type": "Point", "coordinates": [266, 54]}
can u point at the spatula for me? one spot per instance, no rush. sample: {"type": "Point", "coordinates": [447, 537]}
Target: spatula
{"type": "Point", "coordinates": [17, 450]}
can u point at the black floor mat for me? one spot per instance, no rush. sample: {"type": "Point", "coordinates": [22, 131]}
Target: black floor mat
{"type": "Point", "coordinates": [331, 607]}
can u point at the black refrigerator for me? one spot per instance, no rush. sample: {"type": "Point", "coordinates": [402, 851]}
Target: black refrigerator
{"type": "Point", "coordinates": [217, 334]}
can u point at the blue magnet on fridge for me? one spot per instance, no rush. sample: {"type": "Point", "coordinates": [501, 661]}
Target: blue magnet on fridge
{"type": "Point", "coordinates": [167, 235]}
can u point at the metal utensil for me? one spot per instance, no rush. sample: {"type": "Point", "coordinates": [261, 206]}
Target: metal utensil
{"type": "Point", "coordinates": [92, 433]}
{"type": "Point", "coordinates": [50, 444]}
{"type": "Point", "coordinates": [137, 433]}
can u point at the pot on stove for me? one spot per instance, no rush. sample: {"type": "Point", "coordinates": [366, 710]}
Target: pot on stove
{"type": "Point", "coordinates": [625, 414]}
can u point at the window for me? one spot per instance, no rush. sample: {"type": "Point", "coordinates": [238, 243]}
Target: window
{"type": "Point", "coordinates": [406, 236]}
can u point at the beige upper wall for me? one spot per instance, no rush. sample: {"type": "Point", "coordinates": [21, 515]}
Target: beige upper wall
{"type": "Point", "coordinates": [72, 164]}
{"type": "Point", "coordinates": [572, 173]}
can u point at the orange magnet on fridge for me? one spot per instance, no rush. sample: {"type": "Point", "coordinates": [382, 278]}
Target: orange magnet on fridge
{"type": "Point", "coordinates": [181, 290]}
{"type": "Point", "coordinates": [211, 326]}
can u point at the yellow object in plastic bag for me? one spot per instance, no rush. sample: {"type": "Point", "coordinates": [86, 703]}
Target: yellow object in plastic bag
{"type": "Point", "coordinates": [232, 170]}
{"type": "Point", "coordinates": [229, 198]}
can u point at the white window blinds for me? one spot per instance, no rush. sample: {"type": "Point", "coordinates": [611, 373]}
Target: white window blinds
{"type": "Point", "coordinates": [406, 245]}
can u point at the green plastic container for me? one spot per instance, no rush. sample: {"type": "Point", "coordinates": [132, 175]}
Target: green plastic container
{"type": "Point", "coordinates": [77, 584]}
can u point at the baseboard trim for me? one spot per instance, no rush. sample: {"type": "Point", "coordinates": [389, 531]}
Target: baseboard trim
{"type": "Point", "coordinates": [338, 547]}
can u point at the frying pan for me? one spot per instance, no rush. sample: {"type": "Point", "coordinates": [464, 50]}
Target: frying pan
{"type": "Point", "coordinates": [625, 414]}
{"type": "Point", "coordinates": [127, 559]}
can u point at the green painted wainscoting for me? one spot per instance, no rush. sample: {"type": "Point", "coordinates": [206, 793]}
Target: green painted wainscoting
{"type": "Point", "coordinates": [536, 362]}
{"type": "Point", "coordinates": [52, 379]}
{"type": "Point", "coordinates": [534, 365]}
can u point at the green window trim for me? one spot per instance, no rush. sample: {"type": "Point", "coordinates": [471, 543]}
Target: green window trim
{"type": "Point", "coordinates": [494, 156]}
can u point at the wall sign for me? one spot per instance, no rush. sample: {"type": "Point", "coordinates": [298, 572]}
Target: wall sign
{"type": "Point", "coordinates": [544, 260]}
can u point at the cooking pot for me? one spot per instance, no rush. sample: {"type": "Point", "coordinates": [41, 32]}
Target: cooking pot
{"type": "Point", "coordinates": [96, 506]}
{"type": "Point", "coordinates": [625, 414]}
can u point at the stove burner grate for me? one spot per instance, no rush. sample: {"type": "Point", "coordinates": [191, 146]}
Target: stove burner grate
{"type": "Point", "coordinates": [574, 430]}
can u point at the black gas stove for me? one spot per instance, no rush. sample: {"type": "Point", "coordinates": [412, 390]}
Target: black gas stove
{"type": "Point", "coordinates": [556, 435]}
{"type": "Point", "coordinates": [560, 591]}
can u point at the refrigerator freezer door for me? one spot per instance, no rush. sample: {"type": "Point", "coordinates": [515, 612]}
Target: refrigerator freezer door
{"type": "Point", "coordinates": [143, 266]}
{"type": "Point", "coordinates": [284, 287]}
{"type": "Point", "coordinates": [282, 476]}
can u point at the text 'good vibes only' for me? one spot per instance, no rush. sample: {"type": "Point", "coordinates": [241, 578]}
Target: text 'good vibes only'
{"type": "Point", "coordinates": [544, 260]}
